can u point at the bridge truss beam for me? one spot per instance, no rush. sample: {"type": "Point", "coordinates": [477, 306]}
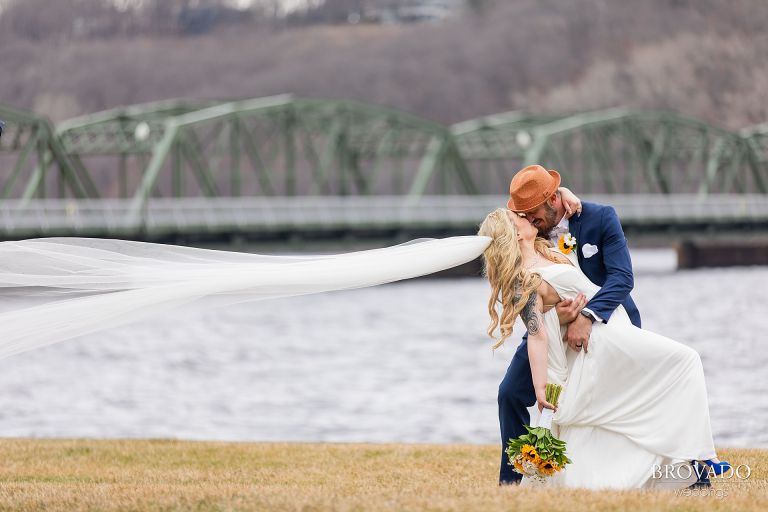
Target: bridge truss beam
{"type": "Point", "coordinates": [33, 164]}
{"type": "Point", "coordinates": [291, 146]}
{"type": "Point", "coordinates": [274, 146]}
{"type": "Point", "coordinates": [619, 151]}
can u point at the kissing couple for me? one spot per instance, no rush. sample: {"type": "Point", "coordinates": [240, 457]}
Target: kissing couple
{"type": "Point", "coordinates": [633, 400]}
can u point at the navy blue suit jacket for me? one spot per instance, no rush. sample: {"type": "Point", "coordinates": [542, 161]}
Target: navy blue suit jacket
{"type": "Point", "coordinates": [611, 267]}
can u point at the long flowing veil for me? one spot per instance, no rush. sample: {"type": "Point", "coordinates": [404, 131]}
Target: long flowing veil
{"type": "Point", "coordinates": [53, 289]}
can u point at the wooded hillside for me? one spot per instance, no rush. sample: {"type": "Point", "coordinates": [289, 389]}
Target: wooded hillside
{"type": "Point", "coordinates": [704, 58]}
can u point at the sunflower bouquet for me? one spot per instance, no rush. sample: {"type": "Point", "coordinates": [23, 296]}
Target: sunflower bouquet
{"type": "Point", "coordinates": [538, 454]}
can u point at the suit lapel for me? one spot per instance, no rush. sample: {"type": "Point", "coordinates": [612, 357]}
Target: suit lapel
{"type": "Point", "coordinates": [574, 226]}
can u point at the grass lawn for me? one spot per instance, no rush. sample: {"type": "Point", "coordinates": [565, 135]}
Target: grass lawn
{"type": "Point", "coordinates": [84, 474]}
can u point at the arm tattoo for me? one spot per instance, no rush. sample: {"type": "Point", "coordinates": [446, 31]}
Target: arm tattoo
{"type": "Point", "coordinates": [530, 315]}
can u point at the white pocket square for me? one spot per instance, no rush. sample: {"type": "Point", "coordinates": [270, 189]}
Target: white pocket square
{"type": "Point", "coordinates": [589, 250]}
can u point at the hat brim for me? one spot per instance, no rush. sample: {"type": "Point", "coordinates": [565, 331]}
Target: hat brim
{"type": "Point", "coordinates": [531, 205]}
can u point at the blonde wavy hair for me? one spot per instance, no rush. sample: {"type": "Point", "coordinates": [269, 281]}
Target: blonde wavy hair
{"type": "Point", "coordinates": [511, 283]}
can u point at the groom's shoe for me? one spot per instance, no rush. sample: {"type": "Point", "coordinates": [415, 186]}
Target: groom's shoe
{"type": "Point", "coordinates": [702, 474]}
{"type": "Point", "coordinates": [513, 479]}
{"type": "Point", "coordinates": [719, 468]}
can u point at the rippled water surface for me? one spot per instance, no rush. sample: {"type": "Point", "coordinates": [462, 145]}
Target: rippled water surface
{"type": "Point", "coordinates": [406, 362]}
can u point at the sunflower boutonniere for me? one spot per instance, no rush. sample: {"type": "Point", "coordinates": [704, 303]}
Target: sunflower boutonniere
{"type": "Point", "coordinates": [566, 243]}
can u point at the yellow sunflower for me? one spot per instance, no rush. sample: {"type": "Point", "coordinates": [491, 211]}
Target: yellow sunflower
{"type": "Point", "coordinates": [529, 452]}
{"type": "Point", "coordinates": [519, 467]}
{"type": "Point", "coordinates": [565, 249]}
{"type": "Point", "coordinates": [547, 467]}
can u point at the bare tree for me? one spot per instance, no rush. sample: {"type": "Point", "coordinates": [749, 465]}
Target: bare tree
{"type": "Point", "coordinates": [700, 57]}
{"type": "Point", "coordinates": [44, 20]}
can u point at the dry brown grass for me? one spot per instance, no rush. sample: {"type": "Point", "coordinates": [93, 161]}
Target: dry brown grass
{"type": "Point", "coordinates": [183, 475]}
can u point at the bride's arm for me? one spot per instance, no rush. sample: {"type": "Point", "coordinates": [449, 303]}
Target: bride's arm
{"type": "Point", "coordinates": [538, 349]}
{"type": "Point", "coordinates": [570, 201]}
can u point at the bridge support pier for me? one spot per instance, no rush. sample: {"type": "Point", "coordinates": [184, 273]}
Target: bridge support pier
{"type": "Point", "coordinates": [697, 254]}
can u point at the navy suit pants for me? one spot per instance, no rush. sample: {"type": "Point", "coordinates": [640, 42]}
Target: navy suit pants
{"type": "Point", "coordinates": [516, 394]}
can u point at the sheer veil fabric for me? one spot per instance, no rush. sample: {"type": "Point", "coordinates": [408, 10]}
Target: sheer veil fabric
{"type": "Point", "coordinates": [54, 289]}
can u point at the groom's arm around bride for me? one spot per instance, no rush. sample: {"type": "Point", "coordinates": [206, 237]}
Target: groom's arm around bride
{"type": "Point", "coordinates": [603, 256]}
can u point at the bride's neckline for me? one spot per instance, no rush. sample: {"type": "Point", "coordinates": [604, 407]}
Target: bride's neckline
{"type": "Point", "coordinates": [553, 264]}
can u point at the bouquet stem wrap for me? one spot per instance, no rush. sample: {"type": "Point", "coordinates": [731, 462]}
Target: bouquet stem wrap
{"type": "Point", "coordinates": [552, 394]}
{"type": "Point", "coordinates": [545, 421]}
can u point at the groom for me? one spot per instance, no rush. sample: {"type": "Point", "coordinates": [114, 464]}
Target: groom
{"type": "Point", "coordinates": [600, 251]}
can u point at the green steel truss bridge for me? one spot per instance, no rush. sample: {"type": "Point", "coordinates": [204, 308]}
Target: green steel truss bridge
{"type": "Point", "coordinates": [283, 165]}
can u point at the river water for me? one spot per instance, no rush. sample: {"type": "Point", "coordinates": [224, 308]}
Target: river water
{"type": "Point", "coordinates": [404, 362]}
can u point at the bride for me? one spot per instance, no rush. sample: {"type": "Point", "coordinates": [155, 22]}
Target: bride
{"type": "Point", "coordinates": [634, 401]}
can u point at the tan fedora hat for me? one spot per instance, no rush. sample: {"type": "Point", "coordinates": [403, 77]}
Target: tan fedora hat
{"type": "Point", "coordinates": [530, 187]}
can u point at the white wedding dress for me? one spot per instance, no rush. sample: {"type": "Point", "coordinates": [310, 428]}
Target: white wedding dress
{"type": "Point", "coordinates": [635, 400]}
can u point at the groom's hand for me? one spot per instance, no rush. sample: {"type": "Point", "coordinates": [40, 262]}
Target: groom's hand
{"type": "Point", "coordinates": [568, 309]}
{"type": "Point", "coordinates": [578, 332]}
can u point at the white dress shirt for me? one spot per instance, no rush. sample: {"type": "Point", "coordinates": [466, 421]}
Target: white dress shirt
{"type": "Point", "coordinates": [561, 229]}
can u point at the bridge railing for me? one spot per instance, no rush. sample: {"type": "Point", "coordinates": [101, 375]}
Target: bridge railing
{"type": "Point", "coordinates": [266, 216]}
